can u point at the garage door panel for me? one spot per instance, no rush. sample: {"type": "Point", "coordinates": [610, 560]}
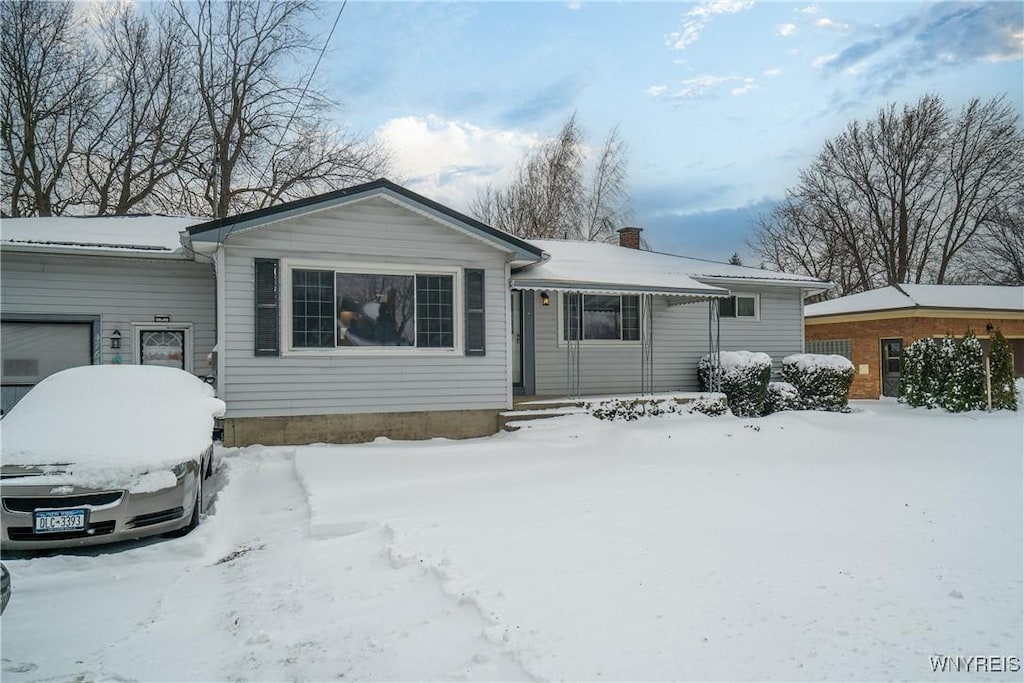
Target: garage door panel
{"type": "Point", "coordinates": [33, 351]}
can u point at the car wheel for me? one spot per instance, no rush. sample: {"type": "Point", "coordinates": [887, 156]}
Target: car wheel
{"type": "Point", "coordinates": [197, 508]}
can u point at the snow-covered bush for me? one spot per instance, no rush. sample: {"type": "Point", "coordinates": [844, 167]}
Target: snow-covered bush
{"type": "Point", "coordinates": [616, 409]}
{"type": "Point", "coordinates": [741, 375]}
{"type": "Point", "coordinates": [965, 385]}
{"type": "Point", "coordinates": [1004, 394]}
{"type": "Point", "coordinates": [708, 405]}
{"type": "Point", "coordinates": [944, 373]}
{"type": "Point", "coordinates": [822, 380]}
{"type": "Point", "coordinates": [781, 396]}
{"type": "Point", "coordinates": [917, 360]}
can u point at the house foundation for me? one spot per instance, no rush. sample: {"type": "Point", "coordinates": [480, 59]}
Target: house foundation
{"type": "Point", "coordinates": [358, 427]}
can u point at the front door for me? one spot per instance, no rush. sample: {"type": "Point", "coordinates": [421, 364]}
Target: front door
{"type": "Point", "coordinates": [162, 347]}
{"type": "Point", "coordinates": [517, 338]}
{"type": "Point", "coordinates": [892, 353]}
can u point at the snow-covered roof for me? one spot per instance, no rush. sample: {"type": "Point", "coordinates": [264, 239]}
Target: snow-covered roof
{"type": "Point", "coordinates": [605, 268]}
{"type": "Point", "coordinates": [979, 297]}
{"type": "Point", "coordinates": [595, 266]}
{"type": "Point", "coordinates": [130, 235]}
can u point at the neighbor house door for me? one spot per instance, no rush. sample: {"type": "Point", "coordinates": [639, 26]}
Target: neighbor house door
{"type": "Point", "coordinates": [892, 352]}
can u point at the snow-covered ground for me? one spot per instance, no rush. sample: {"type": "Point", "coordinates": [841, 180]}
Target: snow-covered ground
{"type": "Point", "coordinates": [798, 546]}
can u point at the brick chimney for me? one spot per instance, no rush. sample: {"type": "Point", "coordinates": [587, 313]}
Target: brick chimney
{"type": "Point", "coordinates": [630, 237]}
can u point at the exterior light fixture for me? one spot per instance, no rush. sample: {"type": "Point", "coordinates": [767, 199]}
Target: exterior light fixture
{"type": "Point", "coordinates": [545, 300]}
{"type": "Point", "coordinates": [115, 339]}
{"type": "Point", "coordinates": [990, 328]}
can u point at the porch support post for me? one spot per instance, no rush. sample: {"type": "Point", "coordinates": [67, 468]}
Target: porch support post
{"type": "Point", "coordinates": [714, 345]}
{"type": "Point", "coordinates": [574, 314]}
{"type": "Point", "coordinates": [646, 344]}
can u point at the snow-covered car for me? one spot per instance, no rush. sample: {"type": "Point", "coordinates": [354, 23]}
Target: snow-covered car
{"type": "Point", "coordinates": [106, 453]}
{"type": "Point", "coordinates": [5, 587]}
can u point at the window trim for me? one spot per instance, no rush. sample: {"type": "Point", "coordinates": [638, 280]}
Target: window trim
{"type": "Point", "coordinates": [746, 318]}
{"type": "Point", "coordinates": [601, 343]}
{"type": "Point", "coordinates": [369, 268]}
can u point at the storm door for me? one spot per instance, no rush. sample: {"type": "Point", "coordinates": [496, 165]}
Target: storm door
{"type": "Point", "coordinates": [892, 352]}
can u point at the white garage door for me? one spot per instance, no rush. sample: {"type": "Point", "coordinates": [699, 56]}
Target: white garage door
{"type": "Point", "coordinates": [33, 351]}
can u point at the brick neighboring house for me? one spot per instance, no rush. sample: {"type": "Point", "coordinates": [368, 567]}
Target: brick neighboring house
{"type": "Point", "coordinates": [871, 328]}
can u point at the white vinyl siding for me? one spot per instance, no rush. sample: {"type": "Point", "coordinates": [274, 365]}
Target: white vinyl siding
{"type": "Point", "coordinates": [373, 233]}
{"type": "Point", "coordinates": [119, 290]}
{"type": "Point", "coordinates": [680, 339]}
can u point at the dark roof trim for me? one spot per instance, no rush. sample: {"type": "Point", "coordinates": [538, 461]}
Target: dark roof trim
{"type": "Point", "coordinates": [223, 227]}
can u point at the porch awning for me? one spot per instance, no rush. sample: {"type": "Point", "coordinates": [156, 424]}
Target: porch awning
{"type": "Point", "coordinates": [596, 268]}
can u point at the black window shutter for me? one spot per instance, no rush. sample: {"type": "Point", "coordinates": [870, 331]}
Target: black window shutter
{"type": "Point", "coordinates": [268, 320]}
{"type": "Point", "coordinates": [476, 333]}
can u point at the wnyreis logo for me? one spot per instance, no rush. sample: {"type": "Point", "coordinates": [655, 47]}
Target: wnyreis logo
{"type": "Point", "coordinates": [975, 664]}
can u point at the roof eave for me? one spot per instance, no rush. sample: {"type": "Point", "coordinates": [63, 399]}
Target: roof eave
{"type": "Point", "coordinates": [615, 287]}
{"type": "Point", "coordinates": [113, 251]}
{"type": "Point", "coordinates": [809, 283]}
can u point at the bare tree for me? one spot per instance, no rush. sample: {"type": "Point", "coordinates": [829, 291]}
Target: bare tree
{"type": "Point", "coordinates": [998, 255]}
{"type": "Point", "coordinates": [48, 95]}
{"type": "Point", "coordinates": [606, 205]}
{"type": "Point", "coordinates": [269, 135]}
{"type": "Point", "coordinates": [149, 119]}
{"type": "Point", "coordinates": [550, 196]}
{"type": "Point", "coordinates": [899, 198]}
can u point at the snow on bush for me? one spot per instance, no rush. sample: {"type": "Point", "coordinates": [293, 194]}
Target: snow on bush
{"type": "Point", "coordinates": [741, 375]}
{"type": "Point", "coordinates": [944, 373]}
{"type": "Point", "coordinates": [708, 405]}
{"type": "Point", "coordinates": [632, 409]}
{"type": "Point", "coordinates": [821, 380]}
{"type": "Point", "coordinates": [1004, 391]}
{"type": "Point", "coordinates": [781, 396]}
{"type": "Point", "coordinates": [106, 421]}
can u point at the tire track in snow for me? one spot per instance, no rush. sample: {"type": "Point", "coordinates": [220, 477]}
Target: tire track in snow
{"type": "Point", "coordinates": [314, 607]}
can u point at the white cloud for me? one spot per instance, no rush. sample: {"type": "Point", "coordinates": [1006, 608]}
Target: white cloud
{"type": "Point", "coordinates": [574, 4]}
{"type": "Point", "coordinates": [774, 71]}
{"type": "Point", "coordinates": [823, 60]}
{"type": "Point", "coordinates": [785, 30]}
{"type": "Point", "coordinates": [827, 23]}
{"type": "Point", "coordinates": [656, 90]}
{"type": "Point", "coordinates": [708, 8]}
{"type": "Point", "coordinates": [700, 16]}
{"type": "Point", "coordinates": [809, 9]}
{"type": "Point", "coordinates": [450, 161]}
{"type": "Point", "coordinates": [748, 85]}
{"type": "Point", "coordinates": [698, 86]}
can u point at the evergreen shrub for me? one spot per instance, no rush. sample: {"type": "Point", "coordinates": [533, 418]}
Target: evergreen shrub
{"type": "Point", "coordinates": [821, 380]}
{"type": "Point", "coordinates": [741, 375]}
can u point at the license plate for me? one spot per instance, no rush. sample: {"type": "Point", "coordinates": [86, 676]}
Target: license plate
{"type": "Point", "coordinates": [54, 521]}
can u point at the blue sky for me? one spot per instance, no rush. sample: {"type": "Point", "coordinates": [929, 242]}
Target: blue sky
{"type": "Point", "coordinates": [721, 102]}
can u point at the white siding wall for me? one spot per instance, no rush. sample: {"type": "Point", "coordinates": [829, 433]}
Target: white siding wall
{"type": "Point", "coordinates": [119, 290]}
{"type": "Point", "coordinates": [680, 339]}
{"type": "Point", "coordinates": [379, 232]}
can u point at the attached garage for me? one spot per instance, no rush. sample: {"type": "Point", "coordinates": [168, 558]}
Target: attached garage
{"type": "Point", "coordinates": [32, 351]}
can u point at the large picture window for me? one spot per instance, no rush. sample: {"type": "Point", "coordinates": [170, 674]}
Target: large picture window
{"type": "Point", "coordinates": [333, 309]}
{"type": "Point", "coordinates": [601, 317]}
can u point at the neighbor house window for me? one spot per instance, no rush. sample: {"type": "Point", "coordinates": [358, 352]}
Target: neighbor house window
{"type": "Point", "coordinates": [601, 317]}
{"type": "Point", "coordinates": [738, 306]}
{"type": "Point", "coordinates": [341, 309]}
{"type": "Point", "coordinates": [839, 347]}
